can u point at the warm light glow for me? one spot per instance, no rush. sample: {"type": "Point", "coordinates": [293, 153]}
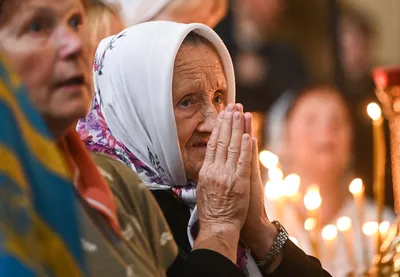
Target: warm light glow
{"type": "Point", "coordinates": [312, 199]}
{"type": "Point", "coordinates": [291, 185]}
{"type": "Point", "coordinates": [294, 240]}
{"type": "Point", "coordinates": [384, 227]}
{"type": "Point", "coordinates": [274, 190]}
{"type": "Point", "coordinates": [374, 111]}
{"type": "Point", "coordinates": [343, 224]}
{"type": "Point", "coordinates": [356, 186]}
{"type": "Point", "coordinates": [370, 228]}
{"type": "Point", "coordinates": [275, 174]}
{"type": "Point", "coordinates": [329, 232]}
{"type": "Point", "coordinates": [310, 224]}
{"type": "Point", "coordinates": [268, 159]}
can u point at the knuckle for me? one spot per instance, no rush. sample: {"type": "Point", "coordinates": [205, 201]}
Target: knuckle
{"type": "Point", "coordinates": [222, 144]}
{"type": "Point", "coordinates": [233, 151]}
{"type": "Point", "coordinates": [211, 147]}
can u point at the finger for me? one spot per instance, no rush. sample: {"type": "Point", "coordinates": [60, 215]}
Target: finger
{"type": "Point", "coordinates": [212, 142]}
{"type": "Point", "coordinates": [236, 139]}
{"type": "Point", "coordinates": [224, 138]}
{"type": "Point", "coordinates": [248, 123]}
{"type": "Point", "coordinates": [230, 108]}
{"type": "Point", "coordinates": [239, 107]}
{"type": "Point", "coordinates": [255, 166]}
{"type": "Point", "coordinates": [243, 166]}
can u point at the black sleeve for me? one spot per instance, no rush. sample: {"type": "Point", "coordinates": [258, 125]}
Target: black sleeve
{"type": "Point", "coordinates": [203, 262]}
{"type": "Point", "coordinates": [296, 263]}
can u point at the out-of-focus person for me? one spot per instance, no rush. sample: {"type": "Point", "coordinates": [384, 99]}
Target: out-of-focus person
{"type": "Point", "coordinates": [208, 12]}
{"type": "Point", "coordinates": [316, 144]}
{"type": "Point", "coordinates": [104, 20]}
{"type": "Point", "coordinates": [123, 231]}
{"type": "Point", "coordinates": [357, 40]}
{"type": "Point", "coordinates": [38, 236]}
{"type": "Point", "coordinates": [264, 69]}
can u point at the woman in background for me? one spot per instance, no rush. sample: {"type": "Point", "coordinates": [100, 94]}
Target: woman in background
{"type": "Point", "coordinates": [316, 144]}
{"type": "Point", "coordinates": [208, 12]}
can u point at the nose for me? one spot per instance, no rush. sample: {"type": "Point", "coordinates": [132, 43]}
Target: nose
{"type": "Point", "coordinates": [68, 42]}
{"type": "Point", "coordinates": [209, 120]}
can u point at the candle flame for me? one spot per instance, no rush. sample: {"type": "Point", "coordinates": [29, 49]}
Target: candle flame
{"type": "Point", "coordinates": [275, 174]}
{"type": "Point", "coordinates": [294, 240]}
{"type": "Point", "coordinates": [374, 111]}
{"type": "Point", "coordinates": [291, 184]}
{"type": "Point", "coordinates": [356, 187]}
{"type": "Point", "coordinates": [310, 224]}
{"type": "Point", "coordinates": [312, 199]}
{"type": "Point", "coordinates": [274, 190]}
{"type": "Point", "coordinates": [384, 227]}
{"type": "Point", "coordinates": [370, 228]}
{"type": "Point", "coordinates": [268, 159]}
{"type": "Point", "coordinates": [329, 232]}
{"type": "Point", "coordinates": [343, 224]}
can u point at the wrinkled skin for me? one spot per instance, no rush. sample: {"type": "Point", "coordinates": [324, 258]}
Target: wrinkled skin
{"type": "Point", "coordinates": [45, 42]}
{"type": "Point", "coordinates": [199, 93]}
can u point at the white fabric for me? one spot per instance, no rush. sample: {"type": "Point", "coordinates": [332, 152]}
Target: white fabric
{"type": "Point", "coordinates": [138, 11]}
{"type": "Point", "coordinates": [134, 73]}
{"type": "Point", "coordinates": [136, 92]}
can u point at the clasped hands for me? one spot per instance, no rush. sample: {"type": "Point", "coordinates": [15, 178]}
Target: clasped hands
{"type": "Point", "coordinates": [230, 193]}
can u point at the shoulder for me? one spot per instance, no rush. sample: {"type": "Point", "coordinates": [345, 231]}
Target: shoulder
{"type": "Point", "coordinates": [135, 201]}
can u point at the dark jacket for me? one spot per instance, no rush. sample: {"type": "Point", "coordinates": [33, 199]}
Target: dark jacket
{"type": "Point", "coordinates": [208, 263]}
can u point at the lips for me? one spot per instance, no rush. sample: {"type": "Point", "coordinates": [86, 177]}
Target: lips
{"type": "Point", "coordinates": [200, 144]}
{"type": "Point", "coordinates": [77, 80]}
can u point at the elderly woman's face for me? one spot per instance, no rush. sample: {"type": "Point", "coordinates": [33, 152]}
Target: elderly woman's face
{"type": "Point", "coordinates": [199, 93]}
{"type": "Point", "coordinates": [319, 132]}
{"type": "Point", "coordinates": [44, 41]}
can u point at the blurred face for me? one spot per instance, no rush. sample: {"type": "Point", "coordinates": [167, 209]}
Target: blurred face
{"type": "Point", "coordinates": [44, 40]}
{"type": "Point", "coordinates": [208, 12]}
{"type": "Point", "coordinates": [262, 11]}
{"type": "Point", "coordinates": [319, 133]}
{"type": "Point", "coordinates": [198, 92]}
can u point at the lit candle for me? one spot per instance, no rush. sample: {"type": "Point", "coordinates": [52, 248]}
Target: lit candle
{"type": "Point", "coordinates": [374, 111]}
{"type": "Point", "coordinates": [357, 190]}
{"type": "Point", "coordinates": [329, 234]}
{"type": "Point", "coordinates": [384, 228]}
{"type": "Point", "coordinates": [312, 202]}
{"type": "Point", "coordinates": [275, 193]}
{"type": "Point", "coordinates": [291, 185]}
{"type": "Point", "coordinates": [371, 229]}
{"type": "Point", "coordinates": [345, 227]}
{"type": "Point", "coordinates": [268, 159]}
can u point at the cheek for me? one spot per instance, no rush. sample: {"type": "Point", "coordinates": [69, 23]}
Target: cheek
{"type": "Point", "coordinates": [185, 129]}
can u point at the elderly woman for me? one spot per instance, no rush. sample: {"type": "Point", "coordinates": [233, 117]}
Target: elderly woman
{"type": "Point", "coordinates": [125, 235]}
{"type": "Point", "coordinates": [159, 87]}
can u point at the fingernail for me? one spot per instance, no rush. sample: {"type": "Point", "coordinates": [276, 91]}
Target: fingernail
{"type": "Point", "coordinates": [229, 108]}
{"type": "Point", "coordinates": [246, 137]}
{"type": "Point", "coordinates": [221, 115]}
{"type": "Point", "coordinates": [236, 115]}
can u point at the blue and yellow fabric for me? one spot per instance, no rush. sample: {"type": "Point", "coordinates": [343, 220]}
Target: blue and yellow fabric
{"type": "Point", "coordinates": [39, 232]}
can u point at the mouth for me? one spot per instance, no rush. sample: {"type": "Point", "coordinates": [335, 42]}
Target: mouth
{"type": "Point", "coordinates": [72, 83]}
{"type": "Point", "coordinates": [200, 145]}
